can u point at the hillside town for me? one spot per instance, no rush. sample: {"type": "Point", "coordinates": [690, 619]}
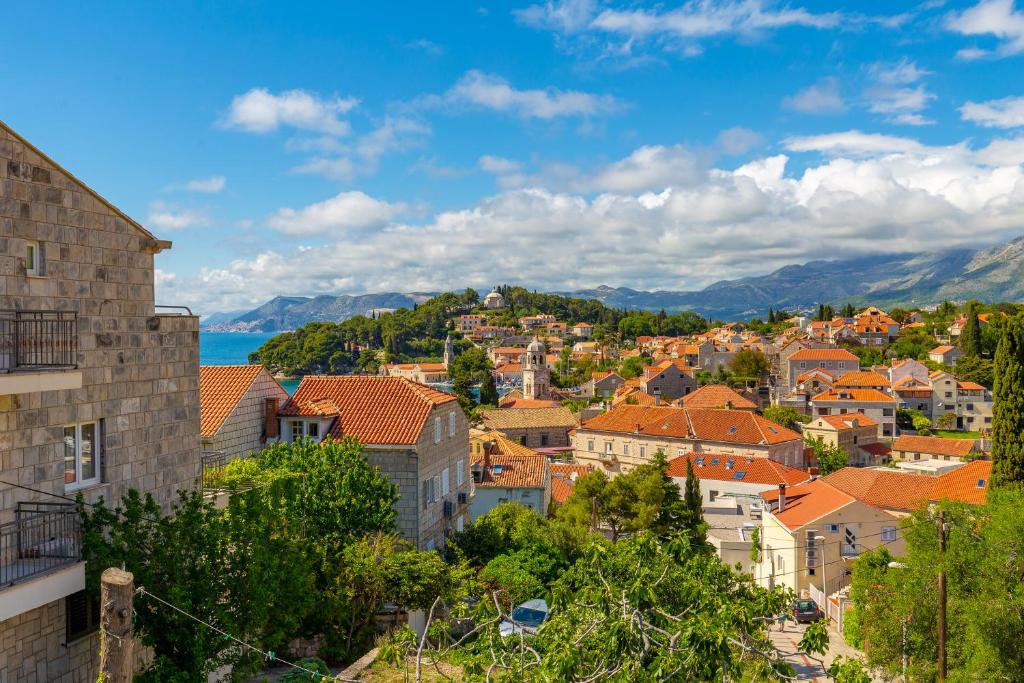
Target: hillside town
{"type": "Point", "coordinates": [501, 444]}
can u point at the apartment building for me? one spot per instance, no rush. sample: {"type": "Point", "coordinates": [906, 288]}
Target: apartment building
{"type": "Point", "coordinates": [855, 433]}
{"type": "Point", "coordinates": [416, 435]}
{"type": "Point", "coordinates": [239, 405]}
{"type": "Point", "coordinates": [99, 394]}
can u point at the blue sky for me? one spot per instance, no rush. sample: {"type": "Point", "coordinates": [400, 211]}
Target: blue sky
{"type": "Point", "coordinates": [306, 148]}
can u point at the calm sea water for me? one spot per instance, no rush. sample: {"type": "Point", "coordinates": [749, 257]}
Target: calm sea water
{"type": "Point", "coordinates": [233, 348]}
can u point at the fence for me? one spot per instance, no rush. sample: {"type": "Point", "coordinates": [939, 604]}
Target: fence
{"type": "Point", "coordinates": [42, 537]}
{"type": "Point", "coordinates": [213, 471]}
{"type": "Point", "coordinates": [38, 340]}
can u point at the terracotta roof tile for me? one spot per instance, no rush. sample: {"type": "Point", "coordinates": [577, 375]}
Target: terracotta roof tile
{"type": "Point", "coordinates": [845, 420]}
{"type": "Point", "coordinates": [511, 471]}
{"type": "Point", "coordinates": [884, 488]}
{"type": "Point", "coordinates": [808, 502]}
{"type": "Point", "coordinates": [526, 418]}
{"type": "Point", "coordinates": [862, 378]}
{"type": "Point", "coordinates": [934, 445]}
{"type": "Point", "coordinates": [968, 484]}
{"type": "Point", "coordinates": [855, 395]}
{"type": "Point", "coordinates": [375, 410]}
{"type": "Point", "coordinates": [824, 354]}
{"type": "Point", "coordinates": [942, 349]}
{"type": "Point", "coordinates": [221, 387]}
{"type": "Point", "coordinates": [737, 468]}
{"type": "Point", "coordinates": [716, 396]}
{"type": "Point", "coordinates": [706, 424]}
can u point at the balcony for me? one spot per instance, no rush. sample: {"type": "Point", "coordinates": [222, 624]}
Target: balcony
{"type": "Point", "coordinates": [38, 351]}
{"type": "Point", "coordinates": [40, 557]}
{"type": "Point", "coordinates": [212, 481]}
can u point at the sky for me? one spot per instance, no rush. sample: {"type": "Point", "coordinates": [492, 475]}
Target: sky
{"type": "Point", "coordinates": [326, 148]}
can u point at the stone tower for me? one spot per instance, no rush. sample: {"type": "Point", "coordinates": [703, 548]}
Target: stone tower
{"type": "Point", "coordinates": [449, 351]}
{"type": "Point", "coordinates": [536, 375]}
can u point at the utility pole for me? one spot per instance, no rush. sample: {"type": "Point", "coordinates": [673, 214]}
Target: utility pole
{"type": "Point", "coordinates": [942, 596]}
{"type": "Point", "coordinates": [117, 590]}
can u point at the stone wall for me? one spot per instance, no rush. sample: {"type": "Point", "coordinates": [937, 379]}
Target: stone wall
{"type": "Point", "coordinates": [243, 429]}
{"type": "Point", "coordinates": [140, 371]}
{"type": "Point", "coordinates": [33, 649]}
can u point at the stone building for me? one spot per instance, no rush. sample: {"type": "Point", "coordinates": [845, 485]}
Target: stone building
{"type": "Point", "coordinates": [416, 435]}
{"type": "Point", "coordinates": [536, 374]}
{"type": "Point", "coordinates": [507, 472]}
{"type": "Point", "coordinates": [99, 394]}
{"type": "Point", "coordinates": [531, 427]}
{"type": "Point", "coordinates": [238, 406]}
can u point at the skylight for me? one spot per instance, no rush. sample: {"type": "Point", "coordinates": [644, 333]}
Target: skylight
{"type": "Point", "coordinates": [497, 469]}
{"type": "Point", "coordinates": [981, 483]}
{"type": "Point", "coordinates": [733, 430]}
{"type": "Point", "coordinates": [700, 462]}
{"type": "Point", "coordinates": [715, 461]}
{"type": "Point", "coordinates": [738, 475]}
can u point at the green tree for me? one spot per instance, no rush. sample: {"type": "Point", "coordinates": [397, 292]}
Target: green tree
{"type": "Point", "coordinates": [975, 369]}
{"type": "Point", "coordinates": [749, 364]}
{"type": "Point", "coordinates": [1008, 408]}
{"type": "Point", "coordinates": [830, 457]}
{"type": "Point", "coordinates": [462, 387]}
{"type": "Point", "coordinates": [488, 390]}
{"type": "Point", "coordinates": [787, 416]}
{"type": "Point", "coordinates": [970, 335]}
{"type": "Point", "coordinates": [921, 423]}
{"type": "Point", "coordinates": [693, 502]}
{"type": "Point", "coordinates": [632, 367]}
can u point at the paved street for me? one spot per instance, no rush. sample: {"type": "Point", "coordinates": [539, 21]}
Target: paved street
{"type": "Point", "coordinates": [808, 669]}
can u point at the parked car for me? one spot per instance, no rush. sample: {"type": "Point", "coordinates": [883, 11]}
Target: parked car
{"type": "Point", "coordinates": [529, 615]}
{"type": "Point", "coordinates": [806, 611]}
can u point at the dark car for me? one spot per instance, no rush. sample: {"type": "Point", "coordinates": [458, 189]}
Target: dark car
{"type": "Point", "coordinates": [806, 612]}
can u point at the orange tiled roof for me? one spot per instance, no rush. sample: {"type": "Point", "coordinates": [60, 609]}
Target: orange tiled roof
{"type": "Point", "coordinates": [968, 484]}
{"type": "Point", "coordinates": [815, 371]}
{"type": "Point", "coordinates": [862, 378]}
{"type": "Point", "coordinates": [726, 468]}
{"type": "Point", "coordinates": [970, 386]}
{"type": "Point", "coordinates": [844, 421]}
{"type": "Point", "coordinates": [884, 488]}
{"type": "Point", "coordinates": [527, 403]}
{"type": "Point", "coordinates": [561, 489]}
{"type": "Point", "coordinates": [856, 395]}
{"type": "Point", "coordinates": [375, 410]}
{"type": "Point", "coordinates": [526, 418]}
{"type": "Point", "coordinates": [706, 424]}
{"type": "Point", "coordinates": [221, 387]}
{"type": "Point", "coordinates": [808, 502]}
{"type": "Point", "coordinates": [934, 445]}
{"type": "Point", "coordinates": [942, 349]}
{"type": "Point", "coordinates": [511, 471]}
{"type": "Point", "coordinates": [634, 396]}
{"type": "Point", "coordinates": [716, 396]}
{"type": "Point", "coordinates": [824, 354]}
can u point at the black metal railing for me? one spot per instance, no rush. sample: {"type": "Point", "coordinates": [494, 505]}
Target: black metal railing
{"type": "Point", "coordinates": [38, 340]}
{"type": "Point", "coordinates": [42, 537]}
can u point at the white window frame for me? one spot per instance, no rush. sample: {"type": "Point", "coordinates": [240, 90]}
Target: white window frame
{"type": "Point", "coordinates": [437, 430]}
{"type": "Point", "coordinates": [451, 423]}
{"type": "Point", "coordinates": [625, 449]}
{"type": "Point", "coordinates": [590, 445]}
{"type": "Point", "coordinates": [608, 447]}
{"type": "Point", "coordinates": [643, 451]}
{"type": "Point", "coordinates": [446, 481]}
{"type": "Point", "coordinates": [32, 265]}
{"type": "Point", "coordinates": [97, 445]}
{"type": "Point", "coordinates": [460, 473]}
{"type": "Point", "coordinates": [888, 533]}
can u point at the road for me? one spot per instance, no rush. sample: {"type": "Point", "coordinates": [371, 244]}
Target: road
{"type": "Point", "coordinates": [808, 669]}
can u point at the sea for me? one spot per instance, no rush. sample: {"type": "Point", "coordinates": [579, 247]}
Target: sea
{"type": "Point", "coordinates": [233, 348]}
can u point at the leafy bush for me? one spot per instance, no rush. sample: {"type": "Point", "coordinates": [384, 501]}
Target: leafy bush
{"type": "Point", "coordinates": [310, 663]}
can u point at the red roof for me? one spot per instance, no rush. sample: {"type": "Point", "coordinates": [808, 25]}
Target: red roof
{"type": "Point", "coordinates": [808, 502]}
{"type": "Point", "coordinates": [934, 445]}
{"type": "Point", "coordinates": [727, 468]}
{"type": "Point", "coordinates": [716, 396]}
{"type": "Point", "coordinates": [968, 484]}
{"type": "Point", "coordinates": [845, 420]}
{"type": "Point", "coordinates": [824, 354]}
{"type": "Point", "coordinates": [221, 387]}
{"type": "Point", "coordinates": [884, 488]}
{"type": "Point", "coordinates": [375, 410]}
{"type": "Point", "coordinates": [732, 426]}
{"type": "Point", "coordinates": [854, 395]}
{"type": "Point", "coordinates": [862, 378]}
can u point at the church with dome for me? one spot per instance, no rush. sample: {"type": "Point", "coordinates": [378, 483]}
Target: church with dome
{"type": "Point", "coordinates": [494, 301]}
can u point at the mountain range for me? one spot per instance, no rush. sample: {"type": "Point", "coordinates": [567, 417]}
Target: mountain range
{"type": "Point", "coordinates": [994, 274]}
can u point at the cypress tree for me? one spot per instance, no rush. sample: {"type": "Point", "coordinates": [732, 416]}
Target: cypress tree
{"type": "Point", "coordinates": [970, 335]}
{"type": "Point", "coordinates": [488, 391]}
{"type": "Point", "coordinates": [1008, 409]}
{"type": "Point", "coordinates": [692, 499]}
{"type": "Point", "coordinates": [821, 311]}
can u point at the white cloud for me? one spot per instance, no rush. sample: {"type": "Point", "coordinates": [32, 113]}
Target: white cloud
{"type": "Point", "coordinates": [970, 54]}
{"type": "Point", "coordinates": [854, 143]}
{"type": "Point", "coordinates": [211, 185]}
{"type": "Point", "coordinates": [340, 169]}
{"type": "Point", "coordinates": [894, 94]}
{"type": "Point", "coordinates": [498, 165]}
{"type": "Point", "coordinates": [821, 98]}
{"type": "Point", "coordinates": [998, 18]}
{"type": "Point", "coordinates": [168, 217]}
{"type": "Point", "coordinates": [261, 111]}
{"type": "Point", "coordinates": [394, 135]}
{"type": "Point", "coordinates": [489, 91]}
{"type": "Point", "coordinates": [346, 211]}
{"type": "Point", "coordinates": [1005, 113]}
{"type": "Point", "coordinates": [902, 72]}
{"type": "Point", "coordinates": [738, 140]}
{"type": "Point", "coordinates": [427, 46]}
{"type": "Point", "coordinates": [698, 19]}
{"type": "Point", "coordinates": [567, 16]}
{"type": "Point", "coordinates": [867, 193]}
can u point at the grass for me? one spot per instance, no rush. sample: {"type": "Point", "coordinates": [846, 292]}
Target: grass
{"type": "Point", "coordinates": [953, 434]}
{"type": "Point", "coordinates": [381, 672]}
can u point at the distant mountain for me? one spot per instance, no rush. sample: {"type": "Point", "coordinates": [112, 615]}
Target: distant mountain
{"type": "Point", "coordinates": [289, 312]}
{"type": "Point", "coordinates": [215, 319]}
{"type": "Point", "coordinates": [995, 274]}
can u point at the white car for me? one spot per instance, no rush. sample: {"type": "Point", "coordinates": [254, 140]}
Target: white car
{"type": "Point", "coordinates": [527, 617]}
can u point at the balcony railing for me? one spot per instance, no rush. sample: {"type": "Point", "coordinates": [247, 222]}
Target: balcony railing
{"type": "Point", "coordinates": [213, 470]}
{"type": "Point", "coordinates": [38, 340]}
{"type": "Point", "coordinates": [43, 537]}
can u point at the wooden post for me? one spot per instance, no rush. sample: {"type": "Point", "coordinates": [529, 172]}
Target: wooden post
{"type": "Point", "coordinates": [117, 591]}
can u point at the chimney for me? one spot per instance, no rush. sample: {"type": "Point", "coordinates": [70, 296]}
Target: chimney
{"type": "Point", "coordinates": [782, 497]}
{"type": "Point", "coordinates": [270, 424]}
{"type": "Point", "coordinates": [487, 454]}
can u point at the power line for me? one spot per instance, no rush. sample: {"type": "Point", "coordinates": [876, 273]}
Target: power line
{"type": "Point", "coordinates": [95, 506]}
{"type": "Point", "coordinates": [267, 654]}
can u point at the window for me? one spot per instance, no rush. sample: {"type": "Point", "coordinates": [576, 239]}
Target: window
{"type": "Point", "coordinates": [81, 455]}
{"type": "Point", "coordinates": [679, 451]}
{"type": "Point", "coordinates": [437, 430]}
{"type": "Point", "coordinates": [459, 523]}
{"type": "Point", "coordinates": [970, 406]}
{"type": "Point", "coordinates": [607, 446]}
{"type": "Point", "coordinates": [296, 428]}
{"type": "Point", "coordinates": [543, 439]}
{"type": "Point", "coordinates": [949, 394]}
{"type": "Point", "coordinates": [451, 423]}
{"type": "Point", "coordinates": [313, 430]}
{"type": "Point", "coordinates": [803, 365]}
{"type": "Point", "coordinates": [32, 258]}
{"type": "Point", "coordinates": [445, 482]}
{"type": "Point", "coordinates": [428, 491]}
{"type": "Point", "coordinates": [887, 412]}
{"type": "Point", "coordinates": [460, 473]}
{"type": "Point", "coordinates": [888, 533]}
{"type": "Point", "coordinates": [430, 545]}
{"type": "Point", "coordinates": [712, 495]}
{"type": "Point", "coordinates": [832, 528]}
{"type": "Point", "coordinates": [625, 449]}
{"type": "Point", "coordinates": [81, 614]}
{"type": "Point", "coordinates": [643, 451]}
